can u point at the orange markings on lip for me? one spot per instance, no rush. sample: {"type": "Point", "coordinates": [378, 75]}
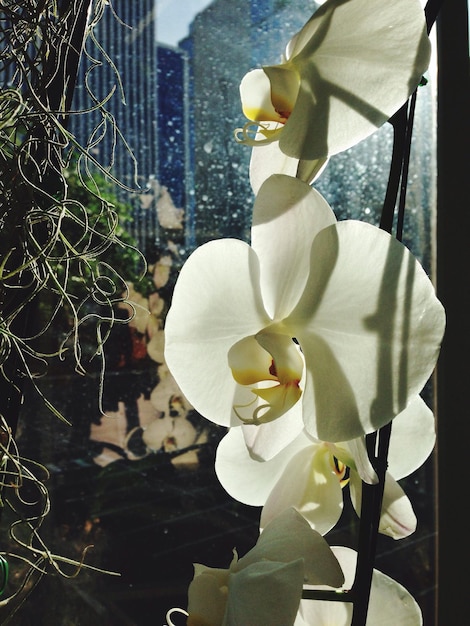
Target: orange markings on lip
{"type": "Point", "coordinates": [283, 115]}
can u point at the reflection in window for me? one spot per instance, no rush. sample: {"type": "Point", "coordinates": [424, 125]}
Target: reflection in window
{"type": "Point", "coordinates": [134, 475]}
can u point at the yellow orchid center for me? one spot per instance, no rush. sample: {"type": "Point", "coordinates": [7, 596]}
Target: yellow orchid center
{"type": "Point", "coordinates": [268, 98]}
{"type": "Point", "coordinates": [339, 467]}
{"type": "Point", "coordinates": [278, 111]}
{"type": "Point", "coordinates": [273, 363]}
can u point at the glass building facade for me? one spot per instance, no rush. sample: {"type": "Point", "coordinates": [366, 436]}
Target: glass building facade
{"type": "Point", "coordinates": [123, 139]}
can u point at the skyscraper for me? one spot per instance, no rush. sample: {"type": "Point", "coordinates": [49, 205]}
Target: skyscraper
{"type": "Point", "coordinates": [118, 67]}
{"type": "Point", "coordinates": [226, 40]}
{"type": "Point", "coordinates": [142, 136]}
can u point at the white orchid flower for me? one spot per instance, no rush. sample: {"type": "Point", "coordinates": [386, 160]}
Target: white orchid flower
{"type": "Point", "coordinates": [363, 314]}
{"type": "Point", "coordinates": [309, 475]}
{"type": "Point", "coordinates": [347, 71]}
{"type": "Point", "coordinates": [390, 603]}
{"type": "Point", "coordinates": [264, 586]}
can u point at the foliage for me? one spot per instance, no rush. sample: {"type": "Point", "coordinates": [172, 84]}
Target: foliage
{"type": "Point", "coordinates": [64, 254]}
{"type": "Point", "coordinates": [101, 199]}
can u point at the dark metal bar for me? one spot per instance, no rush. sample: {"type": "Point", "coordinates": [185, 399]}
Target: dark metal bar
{"type": "Point", "coordinates": [330, 596]}
{"type": "Point", "coordinates": [372, 495]}
{"type": "Point", "coordinates": [453, 289]}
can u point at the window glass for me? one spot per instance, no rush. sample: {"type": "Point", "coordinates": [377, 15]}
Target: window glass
{"type": "Point", "coordinates": [133, 476]}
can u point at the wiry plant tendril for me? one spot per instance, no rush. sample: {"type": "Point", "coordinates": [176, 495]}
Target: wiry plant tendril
{"type": "Point", "coordinates": [60, 237]}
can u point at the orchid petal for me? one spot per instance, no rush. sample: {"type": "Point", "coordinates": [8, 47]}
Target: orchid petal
{"type": "Point", "coordinates": [218, 284]}
{"type": "Point", "coordinates": [288, 538]}
{"type": "Point", "coordinates": [397, 519]}
{"type": "Point", "coordinates": [286, 554]}
{"type": "Point", "coordinates": [255, 94]}
{"type": "Point", "coordinates": [269, 159]}
{"type": "Point", "coordinates": [309, 170]}
{"type": "Point", "coordinates": [390, 603]}
{"type": "Point", "coordinates": [358, 62]}
{"type": "Point", "coordinates": [207, 596]}
{"type": "Point", "coordinates": [287, 215]}
{"type": "Point", "coordinates": [284, 82]}
{"type": "Point", "coordinates": [347, 558]}
{"type": "Point", "coordinates": [265, 593]}
{"type": "Point", "coordinates": [260, 103]}
{"type": "Point", "coordinates": [264, 441]}
{"type": "Point", "coordinates": [243, 477]}
{"type": "Point", "coordinates": [361, 463]}
{"type": "Point", "coordinates": [369, 325]}
{"type": "Point", "coordinates": [250, 362]}
{"type": "Point", "coordinates": [316, 491]}
{"type": "Point", "coordinates": [412, 440]}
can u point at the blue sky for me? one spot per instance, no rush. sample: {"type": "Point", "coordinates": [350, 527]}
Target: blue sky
{"type": "Point", "coordinates": [174, 18]}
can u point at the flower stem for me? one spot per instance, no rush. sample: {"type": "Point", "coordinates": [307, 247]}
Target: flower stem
{"type": "Point", "coordinates": [371, 507]}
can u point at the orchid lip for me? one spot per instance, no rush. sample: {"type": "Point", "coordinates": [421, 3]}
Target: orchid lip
{"type": "Point", "coordinates": [271, 365]}
{"type": "Point", "coordinates": [250, 133]}
{"type": "Point", "coordinates": [280, 398]}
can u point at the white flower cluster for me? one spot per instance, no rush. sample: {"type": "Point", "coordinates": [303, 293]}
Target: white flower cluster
{"type": "Point", "coordinates": [317, 334]}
